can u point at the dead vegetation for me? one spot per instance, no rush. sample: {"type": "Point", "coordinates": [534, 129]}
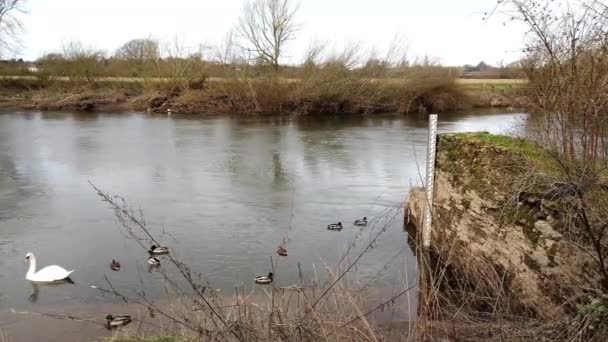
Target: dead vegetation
{"type": "Point", "coordinates": [329, 307]}
{"type": "Point", "coordinates": [510, 258]}
{"type": "Point", "coordinates": [522, 227]}
{"type": "Point", "coordinates": [320, 91]}
{"type": "Point", "coordinates": [567, 64]}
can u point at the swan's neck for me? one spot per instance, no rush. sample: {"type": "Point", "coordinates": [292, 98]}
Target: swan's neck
{"type": "Point", "coordinates": [32, 269]}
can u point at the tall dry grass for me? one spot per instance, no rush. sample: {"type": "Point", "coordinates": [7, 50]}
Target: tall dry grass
{"type": "Point", "coordinates": [320, 91]}
{"type": "Point", "coordinates": [325, 90]}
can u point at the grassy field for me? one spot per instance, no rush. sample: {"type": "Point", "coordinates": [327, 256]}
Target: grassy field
{"type": "Point", "coordinates": [491, 81]}
{"type": "Point", "coordinates": [459, 81]}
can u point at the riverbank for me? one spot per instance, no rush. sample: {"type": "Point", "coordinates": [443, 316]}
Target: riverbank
{"type": "Point", "coordinates": [323, 93]}
{"type": "Point", "coordinates": [508, 255]}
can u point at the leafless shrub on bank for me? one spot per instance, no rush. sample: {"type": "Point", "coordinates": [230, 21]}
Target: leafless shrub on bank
{"type": "Point", "coordinates": [179, 69]}
{"type": "Point", "coordinates": [304, 311]}
{"type": "Point", "coordinates": [566, 60]}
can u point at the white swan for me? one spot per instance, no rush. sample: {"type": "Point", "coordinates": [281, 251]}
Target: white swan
{"type": "Point", "coordinates": [46, 275]}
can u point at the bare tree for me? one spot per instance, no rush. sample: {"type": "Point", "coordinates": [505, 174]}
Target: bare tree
{"type": "Point", "coordinates": [567, 64]}
{"type": "Point", "coordinates": [10, 24]}
{"type": "Point", "coordinates": [227, 52]}
{"type": "Point", "coordinates": [139, 52]}
{"type": "Point", "coordinates": [75, 50]}
{"type": "Point", "coordinates": [84, 63]}
{"type": "Point", "coordinates": [266, 26]}
{"type": "Point", "coordinates": [139, 49]}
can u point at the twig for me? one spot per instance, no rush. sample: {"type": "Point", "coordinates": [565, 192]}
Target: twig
{"type": "Point", "coordinates": [124, 211]}
{"type": "Point", "coordinates": [347, 269]}
{"type": "Point", "coordinates": [374, 309]}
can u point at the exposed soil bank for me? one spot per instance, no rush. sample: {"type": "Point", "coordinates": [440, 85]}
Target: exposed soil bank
{"type": "Point", "coordinates": [259, 96]}
{"type": "Point", "coordinates": [499, 246]}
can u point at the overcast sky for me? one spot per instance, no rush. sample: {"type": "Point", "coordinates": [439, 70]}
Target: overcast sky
{"type": "Point", "coordinates": [453, 31]}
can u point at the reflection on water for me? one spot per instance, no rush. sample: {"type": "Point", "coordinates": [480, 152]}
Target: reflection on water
{"type": "Point", "coordinates": [226, 191]}
{"type": "Point", "coordinates": [35, 295]}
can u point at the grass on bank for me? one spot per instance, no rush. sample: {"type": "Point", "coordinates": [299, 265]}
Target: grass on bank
{"type": "Point", "coordinates": [511, 144]}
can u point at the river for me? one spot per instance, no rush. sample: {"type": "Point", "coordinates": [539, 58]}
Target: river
{"type": "Point", "coordinates": [222, 192]}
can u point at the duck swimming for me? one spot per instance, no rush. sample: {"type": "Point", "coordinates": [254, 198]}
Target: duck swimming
{"type": "Point", "coordinates": [335, 226]}
{"type": "Point", "coordinates": [154, 261]}
{"type": "Point", "coordinates": [115, 265]}
{"type": "Point", "coordinates": [361, 223]}
{"type": "Point", "coordinates": [158, 250]}
{"type": "Point", "coordinates": [47, 274]}
{"type": "Point", "coordinates": [281, 251]}
{"type": "Point", "coordinates": [117, 321]}
{"type": "Point", "coordinates": [264, 280]}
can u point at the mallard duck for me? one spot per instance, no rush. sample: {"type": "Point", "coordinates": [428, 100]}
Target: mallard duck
{"type": "Point", "coordinates": [158, 250]}
{"type": "Point", "coordinates": [335, 226]}
{"type": "Point", "coordinates": [154, 261]}
{"type": "Point", "coordinates": [264, 280]}
{"type": "Point", "coordinates": [281, 251]}
{"type": "Point", "coordinates": [362, 222]}
{"type": "Point", "coordinates": [117, 321]}
{"type": "Point", "coordinates": [47, 274]}
{"type": "Point", "coordinates": [115, 265]}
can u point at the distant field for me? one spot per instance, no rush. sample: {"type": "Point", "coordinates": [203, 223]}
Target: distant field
{"type": "Point", "coordinates": [463, 81]}
{"type": "Point", "coordinates": [477, 81]}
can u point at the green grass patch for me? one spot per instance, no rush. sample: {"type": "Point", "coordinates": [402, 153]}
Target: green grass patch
{"type": "Point", "coordinates": [510, 92]}
{"type": "Point", "coordinates": [528, 149]}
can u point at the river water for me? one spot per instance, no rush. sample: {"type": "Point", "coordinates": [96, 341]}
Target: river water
{"type": "Point", "coordinates": [222, 192]}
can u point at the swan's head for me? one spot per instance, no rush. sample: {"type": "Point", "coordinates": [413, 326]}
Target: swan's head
{"type": "Point", "coordinates": [29, 256]}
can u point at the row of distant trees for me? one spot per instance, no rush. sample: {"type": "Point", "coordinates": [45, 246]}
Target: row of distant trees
{"type": "Point", "coordinates": [149, 58]}
{"type": "Point", "coordinates": [263, 30]}
{"type": "Point", "coordinates": [484, 70]}
{"type": "Point", "coordinates": [259, 38]}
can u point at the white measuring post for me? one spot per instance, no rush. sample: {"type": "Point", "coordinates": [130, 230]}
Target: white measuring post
{"type": "Point", "coordinates": [431, 151]}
